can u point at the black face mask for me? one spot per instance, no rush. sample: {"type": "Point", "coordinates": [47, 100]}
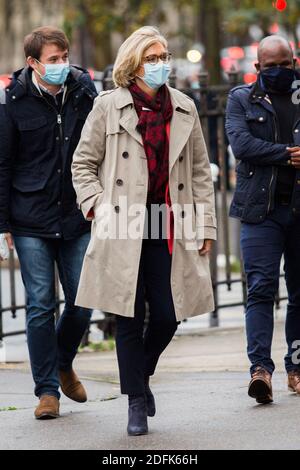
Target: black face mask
{"type": "Point", "coordinates": [278, 79]}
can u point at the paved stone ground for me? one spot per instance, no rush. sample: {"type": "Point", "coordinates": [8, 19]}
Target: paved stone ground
{"type": "Point", "coordinates": [202, 403]}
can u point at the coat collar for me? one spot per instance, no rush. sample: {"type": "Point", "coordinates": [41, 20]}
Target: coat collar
{"type": "Point", "coordinates": [22, 83]}
{"type": "Point", "coordinates": [179, 101]}
{"type": "Point", "coordinates": [181, 126]}
{"type": "Point", "coordinates": [260, 96]}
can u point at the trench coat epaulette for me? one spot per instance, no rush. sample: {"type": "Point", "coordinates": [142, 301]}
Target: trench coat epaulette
{"type": "Point", "coordinates": [107, 92]}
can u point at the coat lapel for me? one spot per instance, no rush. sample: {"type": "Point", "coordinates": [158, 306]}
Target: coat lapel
{"type": "Point", "coordinates": [129, 118]}
{"type": "Point", "coordinates": [129, 122]}
{"type": "Point", "coordinates": [180, 130]}
{"type": "Point", "coordinates": [181, 126]}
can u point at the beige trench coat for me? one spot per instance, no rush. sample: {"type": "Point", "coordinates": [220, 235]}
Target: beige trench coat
{"type": "Point", "coordinates": [109, 162]}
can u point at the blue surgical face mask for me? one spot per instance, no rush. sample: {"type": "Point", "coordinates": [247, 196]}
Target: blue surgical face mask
{"type": "Point", "coordinates": [156, 75]}
{"type": "Point", "coordinates": [278, 79]}
{"type": "Point", "coordinates": [55, 74]}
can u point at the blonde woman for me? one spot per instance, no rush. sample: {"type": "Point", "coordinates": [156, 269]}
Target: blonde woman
{"type": "Point", "coordinates": [143, 143]}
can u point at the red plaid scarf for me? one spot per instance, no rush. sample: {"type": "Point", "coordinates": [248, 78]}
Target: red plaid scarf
{"type": "Point", "coordinates": [152, 126]}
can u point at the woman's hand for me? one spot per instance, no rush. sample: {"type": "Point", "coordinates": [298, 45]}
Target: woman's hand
{"type": "Point", "coordinates": [206, 248]}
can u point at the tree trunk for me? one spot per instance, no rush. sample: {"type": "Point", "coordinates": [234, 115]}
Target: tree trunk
{"type": "Point", "coordinates": [210, 36]}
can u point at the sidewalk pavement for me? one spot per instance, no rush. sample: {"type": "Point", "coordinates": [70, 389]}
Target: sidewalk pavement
{"type": "Point", "coordinates": [201, 394]}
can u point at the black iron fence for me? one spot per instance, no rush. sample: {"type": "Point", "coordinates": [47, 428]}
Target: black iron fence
{"type": "Point", "coordinates": [211, 102]}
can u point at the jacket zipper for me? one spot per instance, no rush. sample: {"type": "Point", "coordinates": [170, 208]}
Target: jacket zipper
{"type": "Point", "coordinates": [59, 122]}
{"type": "Point", "coordinates": [58, 114]}
{"type": "Point", "coordinates": [272, 177]}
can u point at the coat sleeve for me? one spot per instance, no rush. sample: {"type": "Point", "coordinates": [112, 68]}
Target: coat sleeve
{"type": "Point", "coordinates": [8, 138]}
{"type": "Point", "coordinates": [87, 158]}
{"type": "Point", "coordinates": [244, 145]}
{"type": "Point", "coordinates": [202, 186]}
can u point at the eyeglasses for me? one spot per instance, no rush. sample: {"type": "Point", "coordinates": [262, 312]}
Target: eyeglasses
{"type": "Point", "coordinates": [153, 58]}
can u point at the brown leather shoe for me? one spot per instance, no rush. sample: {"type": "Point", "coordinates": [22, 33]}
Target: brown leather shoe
{"type": "Point", "coordinates": [260, 386]}
{"type": "Point", "coordinates": [48, 408]}
{"type": "Point", "coordinates": [294, 381]}
{"type": "Point", "coordinates": [71, 386]}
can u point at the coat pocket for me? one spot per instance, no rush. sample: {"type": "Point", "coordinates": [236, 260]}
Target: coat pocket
{"type": "Point", "coordinates": [32, 124]}
{"type": "Point", "coordinates": [27, 182]}
{"type": "Point", "coordinates": [34, 134]}
{"type": "Point", "coordinates": [257, 121]}
{"type": "Point", "coordinates": [245, 173]}
{"type": "Point", "coordinates": [29, 199]}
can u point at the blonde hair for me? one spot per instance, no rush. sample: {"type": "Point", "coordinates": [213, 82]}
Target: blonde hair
{"type": "Point", "coordinates": [130, 54]}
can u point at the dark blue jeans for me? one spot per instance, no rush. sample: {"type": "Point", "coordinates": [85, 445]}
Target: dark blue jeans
{"type": "Point", "coordinates": [52, 347]}
{"type": "Point", "coordinates": [262, 248]}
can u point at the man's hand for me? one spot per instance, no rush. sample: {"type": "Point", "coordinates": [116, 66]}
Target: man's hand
{"type": "Point", "coordinates": [206, 248]}
{"type": "Point", "coordinates": [294, 157]}
{"type": "Point", "coordinates": [10, 242]}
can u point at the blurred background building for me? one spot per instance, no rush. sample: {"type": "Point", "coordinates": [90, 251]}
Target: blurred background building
{"type": "Point", "coordinates": [215, 35]}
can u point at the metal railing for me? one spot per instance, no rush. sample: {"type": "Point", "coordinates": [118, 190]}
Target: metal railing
{"type": "Point", "coordinates": [211, 103]}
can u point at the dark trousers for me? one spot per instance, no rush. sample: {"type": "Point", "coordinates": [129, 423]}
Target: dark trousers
{"type": "Point", "coordinates": [138, 353]}
{"type": "Point", "coordinates": [52, 347]}
{"type": "Point", "coordinates": [263, 246]}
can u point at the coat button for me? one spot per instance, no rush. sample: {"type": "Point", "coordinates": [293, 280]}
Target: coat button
{"type": "Point", "coordinates": [182, 214]}
{"type": "Point", "coordinates": [119, 182]}
{"type": "Point", "coordinates": [261, 118]}
{"type": "Point", "coordinates": [181, 158]}
{"type": "Point", "coordinates": [296, 131]}
{"type": "Point", "coordinates": [125, 154]}
{"type": "Point", "coordinates": [180, 186]}
{"type": "Point", "coordinates": [66, 138]}
{"type": "Point", "coordinates": [117, 209]}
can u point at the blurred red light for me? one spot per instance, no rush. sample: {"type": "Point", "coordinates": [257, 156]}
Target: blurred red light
{"type": "Point", "coordinates": [280, 5]}
{"type": "Point", "coordinates": [5, 80]}
{"type": "Point", "coordinates": [92, 73]}
{"type": "Point", "coordinates": [250, 78]}
{"type": "Point", "coordinates": [274, 28]}
{"type": "Point", "coordinates": [227, 63]}
{"type": "Point", "coordinates": [236, 53]}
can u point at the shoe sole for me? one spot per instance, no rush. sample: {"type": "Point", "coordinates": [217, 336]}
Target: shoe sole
{"type": "Point", "coordinates": [137, 433]}
{"type": "Point", "coordinates": [45, 416]}
{"type": "Point", "coordinates": [260, 391]}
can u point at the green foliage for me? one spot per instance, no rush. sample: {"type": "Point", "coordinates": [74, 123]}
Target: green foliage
{"type": "Point", "coordinates": [101, 16]}
{"type": "Point", "coordinates": [240, 14]}
{"type": "Point", "coordinates": [96, 20]}
{"type": "Point", "coordinates": [101, 346]}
